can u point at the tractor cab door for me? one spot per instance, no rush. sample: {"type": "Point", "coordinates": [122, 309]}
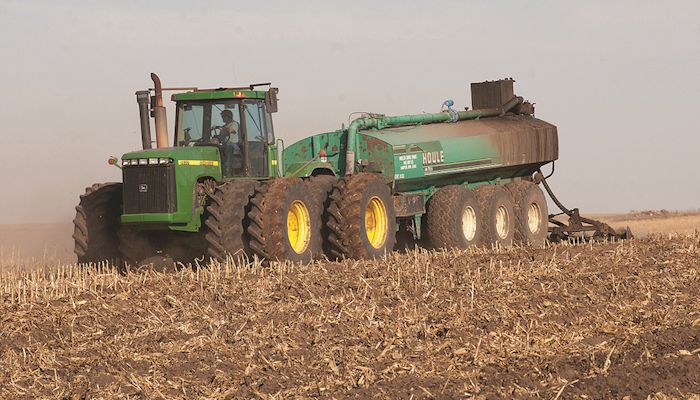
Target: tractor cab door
{"type": "Point", "coordinates": [257, 132]}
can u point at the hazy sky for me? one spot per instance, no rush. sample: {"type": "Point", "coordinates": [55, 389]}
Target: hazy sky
{"type": "Point", "coordinates": [620, 79]}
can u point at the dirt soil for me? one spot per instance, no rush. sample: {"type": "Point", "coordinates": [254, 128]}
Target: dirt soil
{"type": "Point", "coordinates": [588, 321]}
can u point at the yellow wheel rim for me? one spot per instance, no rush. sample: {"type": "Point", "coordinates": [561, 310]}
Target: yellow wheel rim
{"type": "Point", "coordinates": [376, 222]}
{"type": "Point", "coordinates": [298, 227]}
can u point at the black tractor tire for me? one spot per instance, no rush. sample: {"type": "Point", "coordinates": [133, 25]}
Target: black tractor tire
{"type": "Point", "coordinates": [453, 218]}
{"type": "Point", "coordinates": [321, 187]}
{"type": "Point", "coordinates": [531, 214]}
{"type": "Point", "coordinates": [139, 246]}
{"type": "Point", "coordinates": [226, 220]}
{"type": "Point", "coordinates": [272, 206]}
{"type": "Point", "coordinates": [347, 222]}
{"type": "Point", "coordinates": [96, 223]}
{"type": "Point", "coordinates": [498, 215]}
{"type": "Point", "coordinates": [134, 245]}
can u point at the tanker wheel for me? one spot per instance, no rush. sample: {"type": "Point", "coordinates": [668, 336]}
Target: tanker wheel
{"type": "Point", "coordinates": [96, 223]}
{"type": "Point", "coordinates": [285, 221]}
{"type": "Point", "coordinates": [531, 214]}
{"type": "Point", "coordinates": [226, 220]}
{"type": "Point", "coordinates": [361, 218]}
{"type": "Point", "coordinates": [497, 215]}
{"type": "Point", "coordinates": [453, 218]}
{"type": "Point", "coordinates": [321, 187]}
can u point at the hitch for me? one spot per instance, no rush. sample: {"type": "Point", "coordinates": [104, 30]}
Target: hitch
{"type": "Point", "coordinates": [578, 227]}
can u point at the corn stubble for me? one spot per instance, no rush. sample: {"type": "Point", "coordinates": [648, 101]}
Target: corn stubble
{"type": "Point", "coordinates": [569, 321]}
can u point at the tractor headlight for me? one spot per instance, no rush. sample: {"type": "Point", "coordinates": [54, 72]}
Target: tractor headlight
{"type": "Point", "coordinates": [143, 161]}
{"type": "Point", "coordinates": [164, 161]}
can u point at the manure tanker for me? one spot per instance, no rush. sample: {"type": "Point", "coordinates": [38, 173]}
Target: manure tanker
{"type": "Point", "coordinates": [225, 187]}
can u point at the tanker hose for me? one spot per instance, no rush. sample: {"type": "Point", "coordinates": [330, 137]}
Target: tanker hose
{"type": "Point", "coordinates": [379, 122]}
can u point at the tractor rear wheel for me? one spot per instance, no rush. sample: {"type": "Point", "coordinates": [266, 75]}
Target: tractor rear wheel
{"type": "Point", "coordinates": [285, 221]}
{"type": "Point", "coordinates": [226, 220]}
{"type": "Point", "coordinates": [498, 215]}
{"type": "Point", "coordinates": [531, 214]}
{"type": "Point", "coordinates": [361, 217]}
{"type": "Point", "coordinates": [96, 223]}
{"type": "Point", "coordinates": [454, 218]}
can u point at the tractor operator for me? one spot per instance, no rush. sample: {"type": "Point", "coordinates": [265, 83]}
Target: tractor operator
{"type": "Point", "coordinates": [228, 133]}
{"type": "Point", "coordinates": [228, 137]}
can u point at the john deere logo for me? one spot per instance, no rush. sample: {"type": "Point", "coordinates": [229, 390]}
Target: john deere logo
{"type": "Point", "coordinates": [143, 188]}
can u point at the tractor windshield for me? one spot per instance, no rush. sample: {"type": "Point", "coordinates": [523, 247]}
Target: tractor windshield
{"type": "Point", "coordinates": [207, 122]}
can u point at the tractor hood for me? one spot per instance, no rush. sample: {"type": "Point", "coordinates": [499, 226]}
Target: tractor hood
{"type": "Point", "coordinates": [160, 185]}
{"type": "Point", "coordinates": [199, 155]}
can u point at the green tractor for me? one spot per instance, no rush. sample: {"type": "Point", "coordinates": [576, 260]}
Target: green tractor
{"type": "Point", "coordinates": [224, 186]}
{"type": "Point", "coordinates": [215, 191]}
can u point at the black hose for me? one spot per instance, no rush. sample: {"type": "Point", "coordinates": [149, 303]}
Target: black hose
{"type": "Point", "coordinates": [551, 194]}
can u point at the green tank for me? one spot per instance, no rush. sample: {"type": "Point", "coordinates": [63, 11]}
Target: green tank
{"type": "Point", "coordinates": [485, 158]}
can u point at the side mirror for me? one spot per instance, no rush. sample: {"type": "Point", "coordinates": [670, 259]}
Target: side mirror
{"type": "Point", "coordinates": [271, 100]}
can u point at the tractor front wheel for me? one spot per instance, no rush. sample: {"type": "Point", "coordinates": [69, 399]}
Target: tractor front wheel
{"type": "Point", "coordinates": [96, 223]}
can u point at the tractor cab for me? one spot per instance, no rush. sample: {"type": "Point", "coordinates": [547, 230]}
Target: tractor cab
{"type": "Point", "coordinates": [236, 121]}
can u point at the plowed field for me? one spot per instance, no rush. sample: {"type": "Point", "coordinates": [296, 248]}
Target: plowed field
{"type": "Point", "coordinates": [589, 321]}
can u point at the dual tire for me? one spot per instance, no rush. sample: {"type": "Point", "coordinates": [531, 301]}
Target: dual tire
{"type": "Point", "coordinates": [289, 219]}
{"type": "Point", "coordinates": [276, 220]}
{"type": "Point", "coordinates": [285, 221]}
{"type": "Point", "coordinates": [361, 220]}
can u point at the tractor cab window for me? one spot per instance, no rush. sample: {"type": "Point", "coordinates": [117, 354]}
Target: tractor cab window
{"type": "Point", "coordinates": [257, 137]}
{"type": "Point", "coordinates": [237, 127]}
{"type": "Point", "coordinates": [201, 123]}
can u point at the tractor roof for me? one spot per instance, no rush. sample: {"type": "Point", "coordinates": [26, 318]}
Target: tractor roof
{"type": "Point", "coordinates": [219, 94]}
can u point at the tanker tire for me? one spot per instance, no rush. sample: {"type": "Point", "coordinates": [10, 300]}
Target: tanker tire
{"type": "Point", "coordinates": [453, 218]}
{"type": "Point", "coordinates": [494, 200]}
{"type": "Point", "coordinates": [321, 187]}
{"type": "Point", "coordinates": [96, 223]}
{"type": "Point", "coordinates": [271, 207]}
{"type": "Point", "coordinates": [349, 201]}
{"type": "Point", "coordinates": [529, 203]}
{"type": "Point", "coordinates": [226, 220]}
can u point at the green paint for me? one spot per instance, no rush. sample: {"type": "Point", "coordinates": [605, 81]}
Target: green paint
{"type": "Point", "coordinates": [187, 216]}
{"type": "Point", "coordinates": [219, 95]}
{"type": "Point", "coordinates": [302, 158]}
{"type": "Point", "coordinates": [381, 122]}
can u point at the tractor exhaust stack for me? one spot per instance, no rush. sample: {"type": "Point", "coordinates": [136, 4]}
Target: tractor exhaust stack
{"type": "Point", "coordinates": [159, 115]}
{"type": "Point", "coordinates": [143, 99]}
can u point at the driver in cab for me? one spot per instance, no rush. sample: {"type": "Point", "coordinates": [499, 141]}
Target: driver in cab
{"type": "Point", "coordinates": [228, 133]}
{"type": "Point", "coordinates": [228, 137]}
